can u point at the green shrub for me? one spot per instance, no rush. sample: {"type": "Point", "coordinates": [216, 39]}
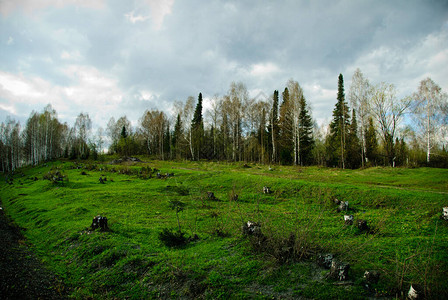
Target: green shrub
{"type": "Point", "coordinates": [173, 238]}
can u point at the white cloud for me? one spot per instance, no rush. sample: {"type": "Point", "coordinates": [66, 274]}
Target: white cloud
{"type": "Point", "coordinates": [405, 69]}
{"type": "Point", "coordinates": [135, 18]}
{"type": "Point", "coordinates": [264, 69]}
{"type": "Point", "coordinates": [146, 95]}
{"type": "Point", "coordinates": [19, 86]}
{"type": "Point", "coordinates": [91, 91]}
{"type": "Point", "coordinates": [30, 6]}
{"type": "Point", "coordinates": [72, 55]}
{"type": "Point", "coordinates": [159, 9]}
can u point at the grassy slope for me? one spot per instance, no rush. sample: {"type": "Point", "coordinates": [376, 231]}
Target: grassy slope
{"type": "Point", "coordinates": [403, 205]}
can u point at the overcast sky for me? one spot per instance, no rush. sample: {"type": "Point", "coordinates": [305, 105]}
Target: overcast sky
{"type": "Point", "coordinates": [115, 58]}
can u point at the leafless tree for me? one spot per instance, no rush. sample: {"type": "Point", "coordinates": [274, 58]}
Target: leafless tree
{"type": "Point", "coordinates": [430, 109]}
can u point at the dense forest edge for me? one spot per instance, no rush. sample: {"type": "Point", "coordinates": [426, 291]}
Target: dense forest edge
{"type": "Point", "coordinates": [377, 129]}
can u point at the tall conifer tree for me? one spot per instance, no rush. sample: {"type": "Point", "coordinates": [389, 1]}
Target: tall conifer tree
{"type": "Point", "coordinates": [371, 143]}
{"type": "Point", "coordinates": [339, 127]}
{"type": "Point", "coordinates": [273, 127]}
{"type": "Point", "coordinates": [353, 144]}
{"type": "Point", "coordinates": [305, 134]}
{"type": "Point", "coordinates": [197, 127]}
{"type": "Point", "coordinates": [286, 127]}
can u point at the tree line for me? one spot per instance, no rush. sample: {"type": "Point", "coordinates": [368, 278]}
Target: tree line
{"type": "Point", "coordinates": [278, 129]}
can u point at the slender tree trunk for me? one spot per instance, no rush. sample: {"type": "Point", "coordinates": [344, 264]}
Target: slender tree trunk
{"type": "Point", "coordinates": [274, 152]}
{"type": "Point", "coordinates": [191, 145]}
{"type": "Point", "coordinates": [428, 136]}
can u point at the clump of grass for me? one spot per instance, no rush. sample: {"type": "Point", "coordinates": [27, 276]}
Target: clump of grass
{"type": "Point", "coordinates": [173, 238]}
{"type": "Point", "coordinates": [56, 176]}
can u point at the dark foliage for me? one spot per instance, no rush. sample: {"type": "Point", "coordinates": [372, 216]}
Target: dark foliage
{"type": "Point", "coordinates": [173, 238]}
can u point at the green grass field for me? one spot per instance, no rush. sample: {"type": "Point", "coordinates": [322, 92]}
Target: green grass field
{"type": "Point", "coordinates": [407, 243]}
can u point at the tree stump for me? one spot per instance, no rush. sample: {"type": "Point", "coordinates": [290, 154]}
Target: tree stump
{"type": "Point", "coordinates": [211, 196]}
{"type": "Point", "coordinates": [415, 292]}
{"type": "Point", "coordinates": [325, 260]}
{"type": "Point", "coordinates": [362, 225]}
{"type": "Point", "coordinates": [445, 213]}
{"type": "Point", "coordinates": [348, 219]}
{"type": "Point", "coordinates": [99, 222]}
{"type": "Point", "coordinates": [339, 270]}
{"type": "Point", "coordinates": [252, 228]}
{"type": "Point", "coordinates": [371, 277]}
{"type": "Point", "coordinates": [266, 190]}
{"type": "Point", "coordinates": [343, 206]}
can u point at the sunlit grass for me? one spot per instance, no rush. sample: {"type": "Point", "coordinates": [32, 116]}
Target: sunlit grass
{"type": "Point", "coordinates": [403, 206]}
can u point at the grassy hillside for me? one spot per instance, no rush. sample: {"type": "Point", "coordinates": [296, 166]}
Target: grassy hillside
{"type": "Point", "coordinates": [406, 243]}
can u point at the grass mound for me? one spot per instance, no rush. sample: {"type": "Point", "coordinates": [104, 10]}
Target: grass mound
{"type": "Point", "coordinates": [299, 223]}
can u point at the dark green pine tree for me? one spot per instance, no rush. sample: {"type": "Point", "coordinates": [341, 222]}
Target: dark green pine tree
{"type": "Point", "coordinates": [305, 134]}
{"type": "Point", "coordinates": [167, 142]}
{"type": "Point", "coordinates": [285, 124]}
{"type": "Point", "coordinates": [371, 144]}
{"type": "Point", "coordinates": [354, 158]}
{"type": "Point", "coordinates": [274, 128]}
{"type": "Point", "coordinates": [124, 133]}
{"type": "Point", "coordinates": [339, 128]}
{"type": "Point", "coordinates": [176, 137]}
{"type": "Point", "coordinates": [401, 152]}
{"type": "Point", "coordinates": [263, 137]}
{"type": "Point", "coordinates": [197, 127]}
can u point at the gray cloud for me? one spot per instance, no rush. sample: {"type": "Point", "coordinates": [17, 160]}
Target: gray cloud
{"type": "Point", "coordinates": [137, 56]}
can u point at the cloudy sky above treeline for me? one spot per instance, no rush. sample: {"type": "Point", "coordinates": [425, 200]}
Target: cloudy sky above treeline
{"type": "Point", "coordinates": [115, 58]}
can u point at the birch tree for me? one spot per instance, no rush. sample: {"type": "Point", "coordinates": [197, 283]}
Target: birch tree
{"type": "Point", "coordinates": [83, 125]}
{"type": "Point", "coordinates": [153, 124]}
{"type": "Point", "coordinates": [359, 101]}
{"type": "Point", "coordinates": [430, 108]}
{"type": "Point", "coordinates": [388, 112]}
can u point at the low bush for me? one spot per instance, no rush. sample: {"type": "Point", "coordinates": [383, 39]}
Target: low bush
{"type": "Point", "coordinates": [173, 238]}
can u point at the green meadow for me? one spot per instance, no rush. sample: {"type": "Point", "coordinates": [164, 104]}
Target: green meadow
{"type": "Point", "coordinates": [406, 243]}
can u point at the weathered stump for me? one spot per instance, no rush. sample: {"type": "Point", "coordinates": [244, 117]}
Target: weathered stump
{"type": "Point", "coordinates": [362, 225]}
{"type": "Point", "coordinates": [211, 196]}
{"type": "Point", "coordinates": [325, 260]}
{"type": "Point", "coordinates": [445, 213]}
{"type": "Point", "coordinates": [339, 270]}
{"type": "Point", "coordinates": [266, 190]}
{"type": "Point", "coordinates": [99, 222]}
{"type": "Point", "coordinates": [343, 206]}
{"type": "Point", "coordinates": [252, 228]}
{"type": "Point", "coordinates": [348, 219]}
{"type": "Point", "coordinates": [415, 292]}
{"type": "Point", "coordinates": [371, 277]}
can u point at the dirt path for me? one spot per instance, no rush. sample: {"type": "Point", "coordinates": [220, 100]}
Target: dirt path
{"type": "Point", "coordinates": [22, 274]}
